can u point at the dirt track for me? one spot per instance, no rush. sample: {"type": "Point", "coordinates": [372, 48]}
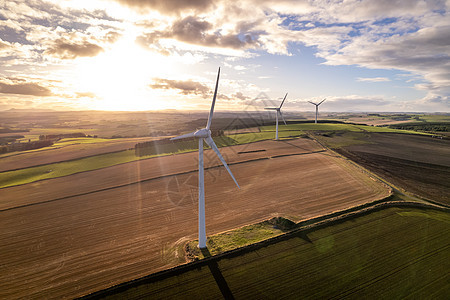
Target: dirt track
{"type": "Point", "coordinates": [73, 246]}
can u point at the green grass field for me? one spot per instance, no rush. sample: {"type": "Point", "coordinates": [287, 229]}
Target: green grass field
{"type": "Point", "coordinates": [58, 144]}
{"type": "Point", "coordinates": [264, 135]}
{"type": "Point", "coordinates": [334, 127]}
{"type": "Point", "coordinates": [241, 237]}
{"type": "Point", "coordinates": [434, 118]}
{"type": "Point", "coordinates": [74, 141]}
{"type": "Point", "coordinates": [60, 130]}
{"type": "Point", "coordinates": [312, 126]}
{"type": "Point", "coordinates": [394, 253]}
{"type": "Point", "coordinates": [55, 170]}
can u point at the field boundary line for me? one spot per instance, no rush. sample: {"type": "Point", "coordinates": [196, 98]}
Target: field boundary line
{"type": "Point", "coordinates": [305, 226]}
{"type": "Point", "coordinates": [401, 191]}
{"type": "Point", "coordinates": [68, 160]}
{"type": "Point", "coordinates": [90, 156]}
{"type": "Point", "coordinates": [140, 181]}
{"type": "Point", "coordinates": [121, 185]}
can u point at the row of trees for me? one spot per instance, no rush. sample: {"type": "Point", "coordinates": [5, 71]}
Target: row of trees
{"type": "Point", "coordinates": [429, 127]}
{"type": "Point", "coordinates": [25, 146]}
{"type": "Point", "coordinates": [168, 146]}
{"type": "Point", "coordinates": [43, 137]}
{"type": "Point", "coordinates": [44, 141]}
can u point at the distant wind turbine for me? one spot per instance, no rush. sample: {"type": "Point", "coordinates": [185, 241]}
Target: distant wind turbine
{"type": "Point", "coordinates": [317, 107]}
{"type": "Point", "coordinates": [205, 134]}
{"type": "Point", "coordinates": [278, 109]}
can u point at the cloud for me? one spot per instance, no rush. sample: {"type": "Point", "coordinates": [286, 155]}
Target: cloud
{"type": "Point", "coordinates": [240, 96]}
{"type": "Point", "coordinates": [425, 52]}
{"type": "Point", "coordinates": [42, 28]}
{"type": "Point", "coordinates": [355, 102]}
{"type": "Point", "coordinates": [4, 45]}
{"type": "Point", "coordinates": [224, 97]}
{"type": "Point", "coordinates": [341, 103]}
{"type": "Point", "coordinates": [407, 35]}
{"type": "Point", "coordinates": [195, 31]}
{"type": "Point", "coordinates": [19, 86]}
{"type": "Point", "coordinates": [372, 79]}
{"type": "Point", "coordinates": [85, 95]}
{"type": "Point", "coordinates": [66, 49]}
{"type": "Point", "coordinates": [112, 36]}
{"type": "Point", "coordinates": [167, 7]}
{"type": "Point", "coordinates": [186, 87]}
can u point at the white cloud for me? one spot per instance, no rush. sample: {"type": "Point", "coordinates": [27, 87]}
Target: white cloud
{"type": "Point", "coordinates": [408, 35]}
{"type": "Point", "coordinates": [372, 79]}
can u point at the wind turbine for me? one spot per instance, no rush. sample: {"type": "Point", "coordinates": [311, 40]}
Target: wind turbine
{"type": "Point", "coordinates": [278, 109]}
{"type": "Point", "coordinates": [317, 107]}
{"type": "Point", "coordinates": [205, 135]}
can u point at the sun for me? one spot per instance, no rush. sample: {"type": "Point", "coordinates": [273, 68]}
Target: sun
{"type": "Point", "coordinates": [120, 76]}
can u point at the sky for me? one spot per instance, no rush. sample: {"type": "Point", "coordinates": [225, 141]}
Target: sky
{"type": "Point", "coordinates": [136, 55]}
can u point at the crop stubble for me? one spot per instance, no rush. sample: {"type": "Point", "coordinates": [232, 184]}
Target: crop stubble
{"type": "Point", "coordinates": [79, 244]}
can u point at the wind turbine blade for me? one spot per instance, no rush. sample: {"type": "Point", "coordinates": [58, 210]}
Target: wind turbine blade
{"type": "Point", "coordinates": [322, 101]}
{"type": "Point", "coordinates": [184, 136]}
{"type": "Point", "coordinates": [208, 125]}
{"type": "Point", "coordinates": [312, 102]}
{"type": "Point", "coordinates": [271, 108]}
{"type": "Point", "coordinates": [211, 143]}
{"type": "Point", "coordinates": [282, 117]}
{"type": "Point", "coordinates": [283, 100]}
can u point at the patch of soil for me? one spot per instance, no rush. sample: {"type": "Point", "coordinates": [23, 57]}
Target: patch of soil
{"type": "Point", "coordinates": [67, 237]}
{"type": "Point", "coordinates": [430, 181]}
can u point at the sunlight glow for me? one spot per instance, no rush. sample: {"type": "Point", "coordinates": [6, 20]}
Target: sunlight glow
{"type": "Point", "coordinates": [120, 77]}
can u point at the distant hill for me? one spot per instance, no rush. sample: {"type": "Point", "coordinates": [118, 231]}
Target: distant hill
{"type": "Point", "coordinates": [30, 110]}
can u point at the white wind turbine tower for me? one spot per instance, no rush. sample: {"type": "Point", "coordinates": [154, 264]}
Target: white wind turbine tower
{"type": "Point", "coordinates": [278, 109]}
{"type": "Point", "coordinates": [317, 108]}
{"type": "Point", "coordinates": [205, 135]}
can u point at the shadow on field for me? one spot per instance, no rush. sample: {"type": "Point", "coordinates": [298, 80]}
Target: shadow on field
{"type": "Point", "coordinates": [220, 280]}
{"type": "Point", "coordinates": [308, 151]}
{"type": "Point", "coordinates": [293, 145]}
{"type": "Point", "coordinates": [303, 235]}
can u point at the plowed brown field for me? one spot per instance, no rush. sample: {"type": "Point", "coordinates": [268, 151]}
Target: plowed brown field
{"type": "Point", "coordinates": [417, 164]}
{"type": "Point", "coordinates": [67, 237]}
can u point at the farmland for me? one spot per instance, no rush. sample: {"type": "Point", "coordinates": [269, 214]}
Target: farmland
{"type": "Point", "coordinates": [80, 161]}
{"type": "Point", "coordinates": [79, 164]}
{"type": "Point", "coordinates": [64, 150]}
{"type": "Point", "coordinates": [87, 213]}
{"type": "Point", "coordinates": [418, 164]}
{"type": "Point", "coordinates": [74, 235]}
{"type": "Point", "coordinates": [358, 257]}
{"type": "Point", "coordinates": [378, 119]}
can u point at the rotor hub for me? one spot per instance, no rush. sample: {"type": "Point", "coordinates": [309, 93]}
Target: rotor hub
{"type": "Point", "coordinates": [202, 133]}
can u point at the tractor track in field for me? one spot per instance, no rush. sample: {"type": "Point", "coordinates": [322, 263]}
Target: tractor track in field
{"type": "Point", "coordinates": [238, 158]}
{"type": "Point", "coordinates": [153, 178]}
{"type": "Point", "coordinates": [303, 228]}
{"type": "Point", "coordinates": [364, 167]}
{"type": "Point", "coordinates": [111, 234]}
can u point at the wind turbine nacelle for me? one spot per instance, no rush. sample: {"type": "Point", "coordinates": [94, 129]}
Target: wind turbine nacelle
{"type": "Point", "coordinates": [202, 133]}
